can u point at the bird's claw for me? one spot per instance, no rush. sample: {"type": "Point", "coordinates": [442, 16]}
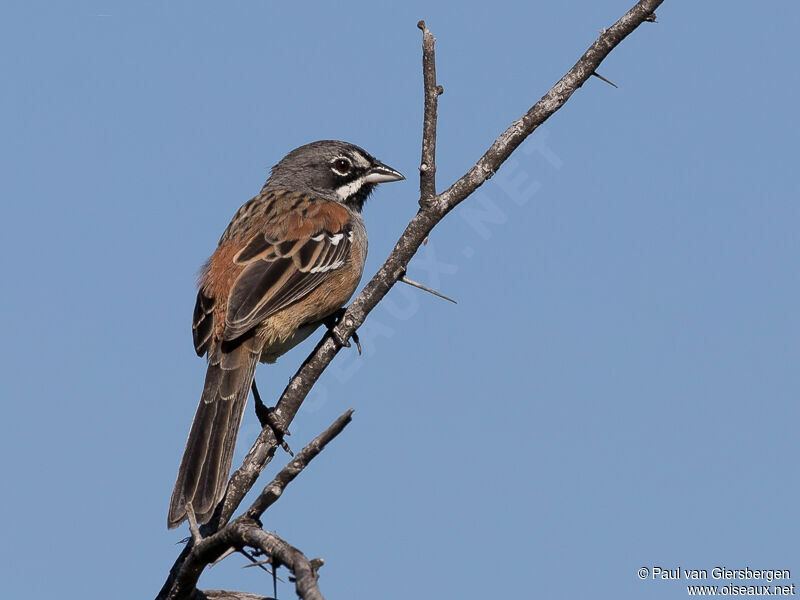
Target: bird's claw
{"type": "Point", "coordinates": [267, 419]}
{"type": "Point", "coordinates": [331, 322]}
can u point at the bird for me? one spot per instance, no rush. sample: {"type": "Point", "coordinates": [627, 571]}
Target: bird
{"type": "Point", "coordinates": [291, 257]}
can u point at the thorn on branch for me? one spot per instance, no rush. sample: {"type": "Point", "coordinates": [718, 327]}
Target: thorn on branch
{"type": "Point", "coordinates": [425, 288]}
{"type": "Point", "coordinates": [596, 74]}
{"type": "Point", "coordinates": [224, 555]}
{"type": "Point", "coordinates": [261, 565]}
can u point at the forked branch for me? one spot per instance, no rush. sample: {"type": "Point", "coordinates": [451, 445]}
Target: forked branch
{"type": "Point", "coordinates": [433, 208]}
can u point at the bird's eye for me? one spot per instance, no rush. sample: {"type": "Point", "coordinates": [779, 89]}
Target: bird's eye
{"type": "Point", "coordinates": [341, 166]}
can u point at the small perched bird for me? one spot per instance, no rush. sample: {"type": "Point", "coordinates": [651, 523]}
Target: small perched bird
{"type": "Point", "coordinates": [291, 257]}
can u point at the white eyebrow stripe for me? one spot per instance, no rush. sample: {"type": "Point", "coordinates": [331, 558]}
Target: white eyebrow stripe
{"type": "Point", "coordinates": [361, 160]}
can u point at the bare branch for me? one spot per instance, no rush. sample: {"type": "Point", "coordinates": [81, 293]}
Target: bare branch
{"type": "Point", "coordinates": [554, 99]}
{"type": "Point", "coordinates": [245, 530]}
{"type": "Point", "coordinates": [427, 167]}
{"type": "Point", "coordinates": [212, 549]}
{"type": "Point", "coordinates": [305, 571]}
{"type": "Point", "coordinates": [237, 534]}
{"type": "Point", "coordinates": [225, 595]}
{"type": "Point", "coordinates": [416, 231]}
{"type": "Point", "coordinates": [429, 215]}
{"type": "Point", "coordinates": [275, 488]}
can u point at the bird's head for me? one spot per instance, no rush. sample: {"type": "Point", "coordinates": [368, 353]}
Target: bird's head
{"type": "Point", "coordinates": [333, 170]}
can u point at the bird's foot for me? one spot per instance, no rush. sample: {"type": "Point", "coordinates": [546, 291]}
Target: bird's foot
{"type": "Point", "coordinates": [266, 416]}
{"type": "Point", "coordinates": [331, 322]}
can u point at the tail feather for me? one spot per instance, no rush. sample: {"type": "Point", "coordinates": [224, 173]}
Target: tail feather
{"type": "Point", "coordinates": [207, 459]}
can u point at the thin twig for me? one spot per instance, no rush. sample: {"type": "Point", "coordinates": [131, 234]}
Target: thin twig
{"type": "Point", "coordinates": [240, 533]}
{"type": "Point", "coordinates": [260, 564]}
{"type": "Point", "coordinates": [228, 595]}
{"type": "Point", "coordinates": [555, 98]}
{"type": "Point", "coordinates": [427, 167]}
{"type": "Point", "coordinates": [305, 571]}
{"type": "Point", "coordinates": [275, 488]}
{"type": "Point", "coordinates": [212, 548]}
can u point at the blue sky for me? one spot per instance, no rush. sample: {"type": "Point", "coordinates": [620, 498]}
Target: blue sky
{"type": "Point", "coordinates": [616, 388]}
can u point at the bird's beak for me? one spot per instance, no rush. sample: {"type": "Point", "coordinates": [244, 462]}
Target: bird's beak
{"type": "Point", "coordinates": [380, 173]}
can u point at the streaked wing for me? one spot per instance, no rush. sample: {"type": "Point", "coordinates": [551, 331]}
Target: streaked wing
{"type": "Point", "coordinates": [279, 273]}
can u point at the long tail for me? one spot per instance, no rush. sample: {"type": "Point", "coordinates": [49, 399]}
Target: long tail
{"type": "Point", "coordinates": [207, 459]}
